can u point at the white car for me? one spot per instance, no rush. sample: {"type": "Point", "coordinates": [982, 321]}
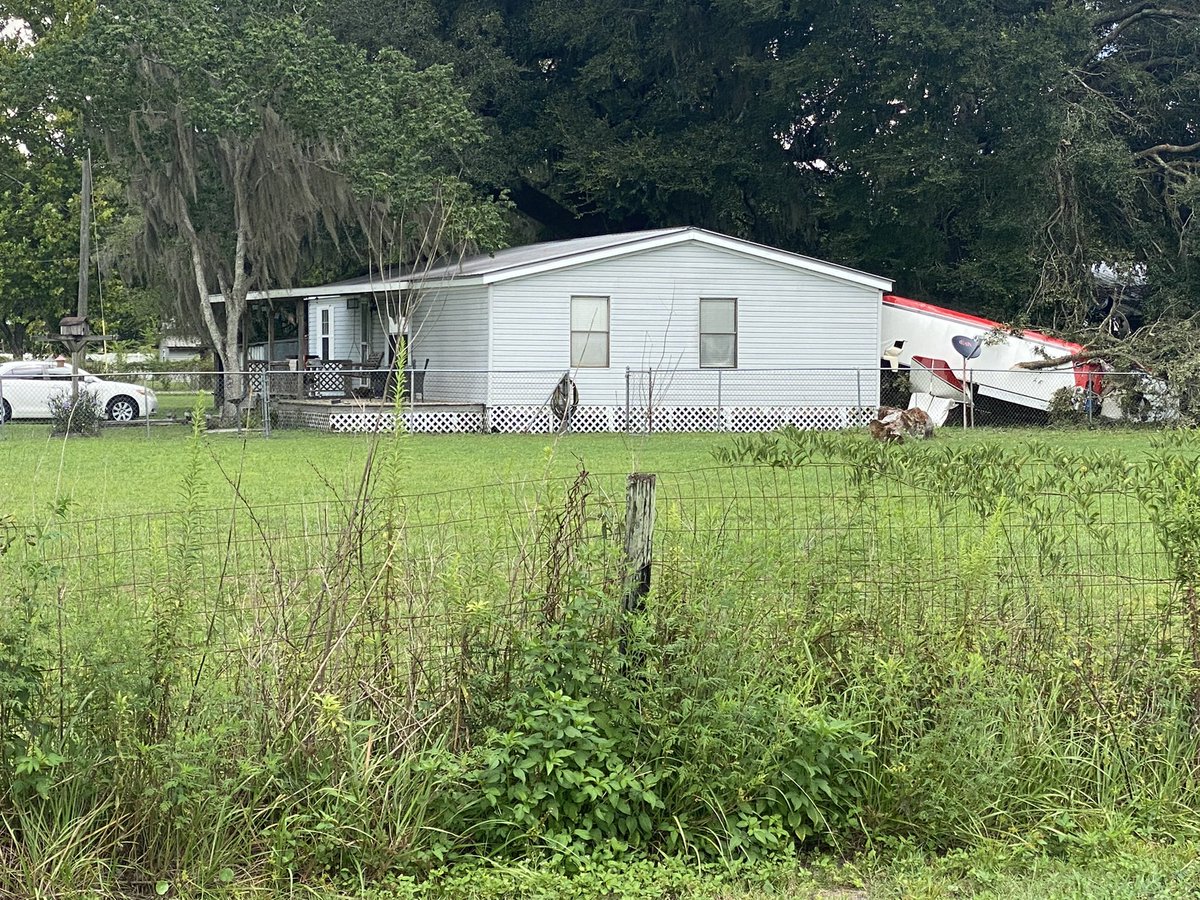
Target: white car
{"type": "Point", "coordinates": [26, 386]}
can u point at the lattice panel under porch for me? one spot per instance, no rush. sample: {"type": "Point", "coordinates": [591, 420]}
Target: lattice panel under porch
{"type": "Point", "coordinates": [815, 418]}
{"type": "Point", "coordinates": [417, 421]}
{"type": "Point", "coordinates": [444, 421]}
{"type": "Point", "coordinates": [747, 419]}
{"type": "Point", "coordinates": [521, 420]}
{"type": "Point", "coordinates": [681, 419]}
{"type": "Point", "coordinates": [597, 419]}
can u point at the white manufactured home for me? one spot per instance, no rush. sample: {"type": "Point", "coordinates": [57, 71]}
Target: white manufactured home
{"type": "Point", "coordinates": [677, 329]}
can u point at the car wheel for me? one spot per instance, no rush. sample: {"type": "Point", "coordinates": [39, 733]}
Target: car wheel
{"type": "Point", "coordinates": [5, 412]}
{"type": "Point", "coordinates": [122, 409]}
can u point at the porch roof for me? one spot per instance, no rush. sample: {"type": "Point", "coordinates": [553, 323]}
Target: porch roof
{"type": "Point", "coordinates": [531, 259]}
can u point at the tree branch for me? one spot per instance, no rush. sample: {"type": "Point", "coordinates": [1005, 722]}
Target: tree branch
{"type": "Point", "coordinates": [1167, 148]}
{"type": "Point", "coordinates": [1104, 97]}
{"type": "Point", "coordinates": [193, 241]}
{"type": "Point", "coordinates": [1144, 10]}
{"type": "Point", "coordinates": [1054, 362]}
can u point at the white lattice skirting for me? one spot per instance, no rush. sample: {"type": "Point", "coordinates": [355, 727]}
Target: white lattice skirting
{"type": "Point", "coordinates": [599, 419]}
{"type": "Point", "coordinates": [588, 419]}
{"type": "Point", "coordinates": [748, 419]}
{"type": "Point", "coordinates": [418, 421]}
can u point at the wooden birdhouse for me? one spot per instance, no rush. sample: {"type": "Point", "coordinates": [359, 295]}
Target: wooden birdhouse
{"type": "Point", "coordinates": [73, 326]}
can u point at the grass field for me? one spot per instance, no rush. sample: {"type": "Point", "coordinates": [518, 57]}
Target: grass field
{"type": "Point", "coordinates": [968, 670]}
{"type": "Point", "coordinates": [130, 470]}
{"type": "Point", "coordinates": [127, 470]}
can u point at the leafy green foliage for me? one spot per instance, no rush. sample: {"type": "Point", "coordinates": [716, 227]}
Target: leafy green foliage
{"type": "Point", "coordinates": [42, 147]}
{"type": "Point", "coordinates": [559, 769]}
{"type": "Point", "coordinates": [811, 669]}
{"type": "Point", "coordinates": [984, 155]}
{"type": "Point", "coordinates": [592, 760]}
{"type": "Point", "coordinates": [253, 143]}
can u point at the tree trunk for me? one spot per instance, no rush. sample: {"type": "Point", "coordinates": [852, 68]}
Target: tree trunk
{"type": "Point", "coordinates": [14, 337]}
{"type": "Point", "coordinates": [234, 382]}
{"type": "Point", "coordinates": [224, 343]}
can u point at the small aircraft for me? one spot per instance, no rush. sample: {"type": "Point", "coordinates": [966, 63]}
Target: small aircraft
{"type": "Point", "coordinates": [954, 357]}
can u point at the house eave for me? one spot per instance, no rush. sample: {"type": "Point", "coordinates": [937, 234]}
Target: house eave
{"type": "Point", "coordinates": [697, 235]}
{"type": "Point", "coordinates": [750, 249]}
{"type": "Point", "coordinates": [342, 290]}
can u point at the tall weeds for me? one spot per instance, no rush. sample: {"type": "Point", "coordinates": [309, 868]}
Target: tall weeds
{"type": "Point", "coordinates": [845, 644]}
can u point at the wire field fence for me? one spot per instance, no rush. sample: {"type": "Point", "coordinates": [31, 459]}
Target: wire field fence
{"type": "Point", "coordinates": [340, 395]}
{"type": "Point", "coordinates": [407, 601]}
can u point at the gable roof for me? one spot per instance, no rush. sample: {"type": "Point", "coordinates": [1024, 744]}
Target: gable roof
{"type": "Point", "coordinates": [533, 259]}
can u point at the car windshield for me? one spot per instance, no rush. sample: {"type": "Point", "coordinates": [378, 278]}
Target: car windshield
{"type": "Point", "coordinates": [33, 371]}
{"type": "Point", "coordinates": [39, 369]}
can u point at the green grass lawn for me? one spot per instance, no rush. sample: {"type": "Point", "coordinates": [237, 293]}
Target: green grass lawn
{"type": "Point", "coordinates": [131, 470]}
{"type": "Point", "coordinates": [758, 571]}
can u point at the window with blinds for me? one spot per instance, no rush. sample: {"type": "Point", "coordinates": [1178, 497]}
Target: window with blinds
{"type": "Point", "coordinates": [718, 333]}
{"type": "Point", "coordinates": [589, 332]}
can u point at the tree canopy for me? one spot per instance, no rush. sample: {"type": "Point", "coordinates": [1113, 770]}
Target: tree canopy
{"type": "Point", "coordinates": [41, 151]}
{"type": "Point", "coordinates": [983, 154]}
{"type": "Point", "coordinates": [986, 154]}
{"type": "Point", "coordinates": [251, 141]}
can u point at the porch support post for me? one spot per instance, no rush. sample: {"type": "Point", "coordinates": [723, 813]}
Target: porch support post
{"type": "Point", "coordinates": [301, 344]}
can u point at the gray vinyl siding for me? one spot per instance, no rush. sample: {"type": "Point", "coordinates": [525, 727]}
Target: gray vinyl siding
{"type": "Point", "coordinates": [787, 320]}
{"type": "Point", "coordinates": [448, 326]}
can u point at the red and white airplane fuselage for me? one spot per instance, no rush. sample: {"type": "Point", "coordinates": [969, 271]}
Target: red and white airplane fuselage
{"type": "Point", "coordinates": [952, 356]}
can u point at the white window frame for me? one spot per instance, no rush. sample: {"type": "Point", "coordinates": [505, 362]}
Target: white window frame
{"type": "Point", "coordinates": [701, 333]}
{"type": "Point", "coordinates": [585, 336]}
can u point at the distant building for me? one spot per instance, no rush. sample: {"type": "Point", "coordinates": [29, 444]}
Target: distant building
{"type": "Point", "coordinates": [177, 346]}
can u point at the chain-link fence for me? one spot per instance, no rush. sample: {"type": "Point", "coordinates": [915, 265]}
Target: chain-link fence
{"type": "Point", "coordinates": [885, 560]}
{"type": "Point", "coordinates": [341, 396]}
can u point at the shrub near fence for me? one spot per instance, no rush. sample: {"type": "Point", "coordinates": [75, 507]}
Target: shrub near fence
{"type": "Point", "coordinates": [843, 641]}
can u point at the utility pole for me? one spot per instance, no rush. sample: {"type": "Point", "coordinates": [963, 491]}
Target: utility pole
{"type": "Point", "coordinates": [74, 332]}
{"type": "Point", "coordinates": [85, 265]}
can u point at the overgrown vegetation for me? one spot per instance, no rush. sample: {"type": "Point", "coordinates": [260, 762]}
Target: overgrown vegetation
{"type": "Point", "coordinates": [849, 646]}
{"type": "Point", "coordinates": [80, 414]}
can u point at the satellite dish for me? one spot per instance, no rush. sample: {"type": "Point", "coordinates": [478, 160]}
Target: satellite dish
{"type": "Point", "coordinates": [968, 348]}
{"type": "Point", "coordinates": [892, 355]}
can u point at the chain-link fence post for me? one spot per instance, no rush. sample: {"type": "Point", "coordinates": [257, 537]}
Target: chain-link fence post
{"type": "Point", "coordinates": [147, 378]}
{"type": "Point", "coordinates": [629, 412]}
{"type": "Point", "coordinates": [650, 400]}
{"type": "Point", "coordinates": [858, 385]}
{"type": "Point", "coordinates": [266, 401]}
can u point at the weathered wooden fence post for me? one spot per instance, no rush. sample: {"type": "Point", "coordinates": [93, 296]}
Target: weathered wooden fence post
{"type": "Point", "coordinates": [639, 540]}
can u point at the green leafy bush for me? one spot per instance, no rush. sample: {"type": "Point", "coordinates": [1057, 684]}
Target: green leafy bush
{"type": "Point", "coordinates": [601, 749]}
{"type": "Point", "coordinates": [558, 771]}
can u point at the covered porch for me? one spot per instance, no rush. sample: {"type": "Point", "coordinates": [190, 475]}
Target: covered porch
{"type": "Point", "coordinates": [322, 346]}
{"type": "Point", "coordinates": [335, 380]}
